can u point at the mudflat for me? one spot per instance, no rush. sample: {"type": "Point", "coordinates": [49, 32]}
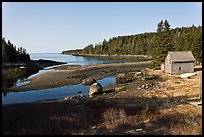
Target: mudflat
{"type": "Point", "coordinates": [73, 74]}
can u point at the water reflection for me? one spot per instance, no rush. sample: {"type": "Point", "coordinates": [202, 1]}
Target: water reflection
{"type": "Point", "coordinates": [21, 82]}
{"type": "Point", "coordinates": [5, 93]}
{"type": "Point", "coordinates": [50, 94]}
{"type": "Point", "coordinates": [55, 93]}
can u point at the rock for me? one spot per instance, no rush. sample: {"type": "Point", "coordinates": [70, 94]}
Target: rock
{"type": "Point", "coordinates": [119, 88]}
{"type": "Point", "coordinates": [81, 95]}
{"type": "Point", "coordinates": [88, 81]}
{"type": "Point", "coordinates": [138, 75]}
{"type": "Point", "coordinates": [143, 71]}
{"type": "Point", "coordinates": [67, 98]}
{"type": "Point", "coordinates": [143, 79]}
{"type": "Point", "coordinates": [95, 88]}
{"type": "Point", "coordinates": [129, 76]}
{"type": "Point", "coordinates": [120, 78]}
{"type": "Point", "coordinates": [22, 67]}
{"type": "Point", "coordinates": [76, 99]}
{"type": "Point", "coordinates": [139, 129]}
{"type": "Point", "coordinates": [139, 88]}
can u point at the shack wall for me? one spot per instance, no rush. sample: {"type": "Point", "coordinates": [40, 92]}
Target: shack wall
{"type": "Point", "coordinates": [178, 68]}
{"type": "Point", "coordinates": [167, 64]}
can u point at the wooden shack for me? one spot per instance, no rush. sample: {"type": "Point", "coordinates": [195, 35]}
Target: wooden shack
{"type": "Point", "coordinates": [178, 62]}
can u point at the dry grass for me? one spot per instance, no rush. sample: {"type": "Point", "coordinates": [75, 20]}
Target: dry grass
{"type": "Point", "coordinates": [154, 111]}
{"type": "Point", "coordinates": [176, 116]}
{"type": "Point", "coordinates": [178, 123]}
{"type": "Point", "coordinates": [114, 118]}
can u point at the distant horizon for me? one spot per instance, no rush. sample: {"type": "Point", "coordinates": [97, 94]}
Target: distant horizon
{"type": "Point", "coordinates": [46, 27]}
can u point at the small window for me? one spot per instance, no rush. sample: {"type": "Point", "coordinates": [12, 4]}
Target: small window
{"type": "Point", "coordinates": [179, 68]}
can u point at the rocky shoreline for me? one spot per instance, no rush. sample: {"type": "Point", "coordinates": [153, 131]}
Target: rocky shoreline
{"type": "Point", "coordinates": [11, 72]}
{"type": "Point", "coordinates": [74, 74]}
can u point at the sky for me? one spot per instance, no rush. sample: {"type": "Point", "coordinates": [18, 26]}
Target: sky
{"type": "Point", "coordinates": [52, 27]}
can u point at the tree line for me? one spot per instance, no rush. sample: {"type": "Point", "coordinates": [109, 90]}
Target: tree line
{"type": "Point", "coordinates": [11, 53]}
{"type": "Point", "coordinates": [155, 44]}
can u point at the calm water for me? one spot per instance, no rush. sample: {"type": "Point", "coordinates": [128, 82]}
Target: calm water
{"type": "Point", "coordinates": [71, 60]}
{"type": "Point", "coordinates": [55, 93]}
{"type": "Point", "coordinates": [50, 94]}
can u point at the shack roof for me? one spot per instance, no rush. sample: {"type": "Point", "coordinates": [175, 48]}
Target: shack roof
{"type": "Point", "coordinates": [181, 56]}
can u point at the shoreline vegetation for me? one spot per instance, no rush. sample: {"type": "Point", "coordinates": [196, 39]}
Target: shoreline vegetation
{"type": "Point", "coordinates": [16, 64]}
{"type": "Point", "coordinates": [12, 71]}
{"type": "Point", "coordinates": [112, 57]}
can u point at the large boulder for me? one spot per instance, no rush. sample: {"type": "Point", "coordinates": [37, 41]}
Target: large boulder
{"type": "Point", "coordinates": [95, 88]}
{"type": "Point", "coordinates": [88, 81]}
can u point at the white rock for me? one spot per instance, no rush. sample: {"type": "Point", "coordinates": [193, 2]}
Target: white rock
{"type": "Point", "coordinates": [139, 129]}
{"type": "Point", "coordinates": [96, 87]}
{"type": "Point", "coordinates": [187, 75]}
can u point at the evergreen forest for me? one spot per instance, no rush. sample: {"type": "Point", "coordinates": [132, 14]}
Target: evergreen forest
{"type": "Point", "coordinates": [11, 53]}
{"type": "Point", "coordinates": [155, 44]}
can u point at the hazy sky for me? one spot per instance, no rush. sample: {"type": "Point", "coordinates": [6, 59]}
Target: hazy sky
{"type": "Point", "coordinates": [51, 27]}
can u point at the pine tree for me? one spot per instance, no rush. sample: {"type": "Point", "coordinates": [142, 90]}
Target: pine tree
{"type": "Point", "coordinates": [168, 37]}
{"type": "Point", "coordinates": [163, 43]}
{"type": "Point", "coordinates": [11, 54]}
{"type": "Point", "coordinates": [4, 50]}
{"type": "Point", "coordinates": [157, 47]}
{"type": "Point", "coordinates": [197, 50]}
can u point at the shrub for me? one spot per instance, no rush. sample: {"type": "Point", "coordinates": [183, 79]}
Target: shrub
{"type": "Point", "coordinates": [114, 117]}
{"type": "Point", "coordinates": [146, 111]}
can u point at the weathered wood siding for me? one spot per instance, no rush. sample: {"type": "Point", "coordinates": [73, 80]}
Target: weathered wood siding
{"type": "Point", "coordinates": [178, 68]}
{"type": "Point", "coordinates": [168, 64]}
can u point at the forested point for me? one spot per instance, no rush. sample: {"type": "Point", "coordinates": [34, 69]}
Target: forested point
{"type": "Point", "coordinates": [10, 53]}
{"type": "Point", "coordinates": [154, 44]}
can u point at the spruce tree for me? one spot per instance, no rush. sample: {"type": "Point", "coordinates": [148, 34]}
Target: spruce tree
{"type": "Point", "coordinates": [163, 44]}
